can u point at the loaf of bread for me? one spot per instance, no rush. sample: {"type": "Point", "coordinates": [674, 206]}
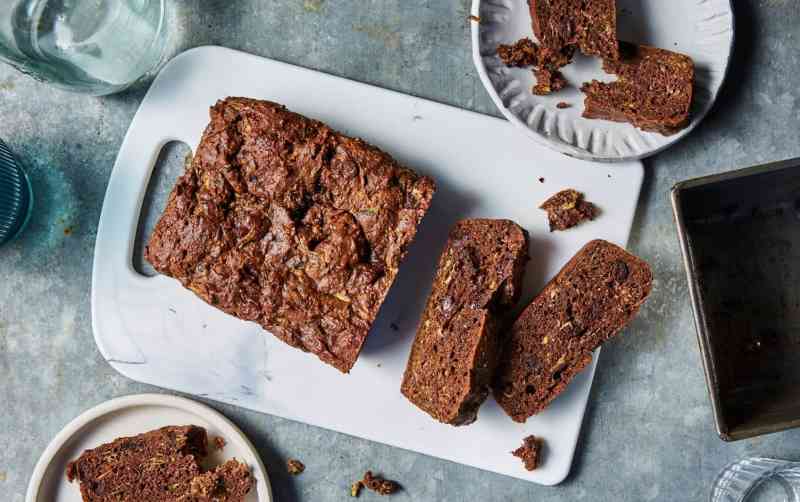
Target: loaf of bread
{"type": "Point", "coordinates": [283, 221]}
{"type": "Point", "coordinates": [455, 350]}
{"type": "Point", "coordinates": [591, 299]}
{"type": "Point", "coordinates": [653, 92]}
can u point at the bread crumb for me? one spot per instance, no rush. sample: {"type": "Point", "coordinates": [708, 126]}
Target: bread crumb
{"type": "Point", "coordinates": [219, 443]}
{"type": "Point", "coordinates": [541, 180]}
{"type": "Point", "coordinates": [294, 466]}
{"type": "Point", "coordinates": [530, 452]}
{"type": "Point", "coordinates": [379, 485]}
{"type": "Point", "coordinates": [567, 209]}
{"type": "Point", "coordinates": [474, 18]}
{"type": "Point", "coordinates": [355, 488]}
{"type": "Point", "coordinates": [563, 104]}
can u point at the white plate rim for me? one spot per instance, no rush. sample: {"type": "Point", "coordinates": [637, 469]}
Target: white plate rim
{"type": "Point", "coordinates": [558, 144]}
{"type": "Point", "coordinates": [207, 413]}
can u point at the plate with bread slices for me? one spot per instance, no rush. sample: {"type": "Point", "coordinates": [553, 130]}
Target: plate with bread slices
{"type": "Point", "coordinates": [150, 447]}
{"type": "Point", "coordinates": [604, 80]}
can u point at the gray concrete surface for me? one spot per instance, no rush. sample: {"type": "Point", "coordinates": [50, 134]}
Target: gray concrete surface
{"type": "Point", "coordinates": [648, 434]}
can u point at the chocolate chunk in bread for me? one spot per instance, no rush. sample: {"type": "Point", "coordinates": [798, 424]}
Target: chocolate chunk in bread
{"type": "Point", "coordinates": [283, 221]}
{"type": "Point", "coordinates": [591, 299]}
{"type": "Point", "coordinates": [230, 482]}
{"type": "Point", "coordinates": [567, 209]}
{"type": "Point", "coordinates": [591, 25]}
{"type": "Point", "coordinates": [530, 452]}
{"type": "Point", "coordinates": [455, 350]}
{"type": "Point", "coordinates": [653, 92]}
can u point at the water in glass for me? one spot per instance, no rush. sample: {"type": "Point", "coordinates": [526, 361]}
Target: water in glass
{"type": "Point", "coordinates": [93, 46]}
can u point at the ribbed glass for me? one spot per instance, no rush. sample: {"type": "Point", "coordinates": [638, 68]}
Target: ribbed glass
{"type": "Point", "coordinates": [15, 196]}
{"type": "Point", "coordinates": [758, 479]}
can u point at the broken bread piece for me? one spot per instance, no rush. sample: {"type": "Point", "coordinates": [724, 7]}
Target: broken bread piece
{"type": "Point", "coordinates": [567, 209]}
{"type": "Point", "coordinates": [593, 297]}
{"type": "Point", "coordinates": [653, 92]}
{"type": "Point", "coordinates": [162, 465]}
{"type": "Point", "coordinates": [591, 25]}
{"type": "Point", "coordinates": [455, 350]}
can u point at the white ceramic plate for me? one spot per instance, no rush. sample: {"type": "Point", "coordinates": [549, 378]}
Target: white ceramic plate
{"type": "Point", "coordinates": [128, 416]}
{"type": "Point", "coordinates": [702, 29]}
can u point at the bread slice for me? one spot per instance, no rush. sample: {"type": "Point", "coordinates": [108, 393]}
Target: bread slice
{"type": "Point", "coordinates": [589, 24]}
{"type": "Point", "coordinates": [653, 92]}
{"type": "Point", "coordinates": [455, 351]}
{"type": "Point", "coordinates": [162, 465]}
{"type": "Point", "coordinates": [590, 300]}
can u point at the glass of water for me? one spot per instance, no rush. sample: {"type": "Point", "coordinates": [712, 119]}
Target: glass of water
{"type": "Point", "coordinates": [92, 46]}
{"type": "Point", "coordinates": [758, 479]}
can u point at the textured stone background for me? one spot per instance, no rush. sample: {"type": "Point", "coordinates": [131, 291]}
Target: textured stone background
{"type": "Point", "coordinates": [648, 434]}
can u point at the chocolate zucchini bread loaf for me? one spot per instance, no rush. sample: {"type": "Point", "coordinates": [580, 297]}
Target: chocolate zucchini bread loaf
{"type": "Point", "coordinates": [590, 300]}
{"type": "Point", "coordinates": [455, 351]}
{"type": "Point", "coordinates": [653, 91]}
{"type": "Point", "coordinates": [591, 25]}
{"type": "Point", "coordinates": [157, 466]}
{"type": "Point", "coordinates": [283, 221]}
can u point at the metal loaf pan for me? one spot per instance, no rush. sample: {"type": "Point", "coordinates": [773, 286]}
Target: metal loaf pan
{"type": "Point", "coordinates": [740, 237]}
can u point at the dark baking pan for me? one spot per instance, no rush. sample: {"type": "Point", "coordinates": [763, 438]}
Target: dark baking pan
{"type": "Point", "coordinates": [740, 238]}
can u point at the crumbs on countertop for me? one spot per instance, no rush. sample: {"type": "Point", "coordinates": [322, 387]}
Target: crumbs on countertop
{"type": "Point", "coordinates": [294, 466]}
{"type": "Point", "coordinates": [379, 485]}
{"type": "Point", "coordinates": [541, 179]}
{"type": "Point", "coordinates": [355, 488]}
{"type": "Point", "coordinates": [563, 104]}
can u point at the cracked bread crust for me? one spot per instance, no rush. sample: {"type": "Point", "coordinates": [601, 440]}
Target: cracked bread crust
{"type": "Point", "coordinates": [654, 90]}
{"type": "Point", "coordinates": [283, 221]}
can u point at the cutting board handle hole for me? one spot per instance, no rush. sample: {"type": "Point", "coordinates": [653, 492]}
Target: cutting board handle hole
{"type": "Point", "coordinates": [170, 164]}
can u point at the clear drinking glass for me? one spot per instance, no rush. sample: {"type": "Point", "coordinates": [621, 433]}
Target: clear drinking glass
{"type": "Point", "coordinates": [91, 46]}
{"type": "Point", "coordinates": [758, 480]}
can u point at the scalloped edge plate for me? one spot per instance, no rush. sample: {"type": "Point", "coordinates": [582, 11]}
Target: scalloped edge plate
{"type": "Point", "coordinates": [702, 29]}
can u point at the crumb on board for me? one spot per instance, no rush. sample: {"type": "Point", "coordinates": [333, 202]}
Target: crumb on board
{"type": "Point", "coordinates": [541, 179]}
{"type": "Point", "coordinates": [474, 18]}
{"type": "Point", "coordinates": [530, 452]}
{"type": "Point", "coordinates": [355, 488]}
{"type": "Point", "coordinates": [394, 327]}
{"type": "Point", "coordinates": [567, 209]}
{"type": "Point", "coordinates": [219, 443]}
{"type": "Point", "coordinates": [563, 104]}
{"type": "Point", "coordinates": [294, 466]}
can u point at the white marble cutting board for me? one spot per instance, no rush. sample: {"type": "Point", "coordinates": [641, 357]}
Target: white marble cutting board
{"type": "Point", "coordinates": [152, 330]}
